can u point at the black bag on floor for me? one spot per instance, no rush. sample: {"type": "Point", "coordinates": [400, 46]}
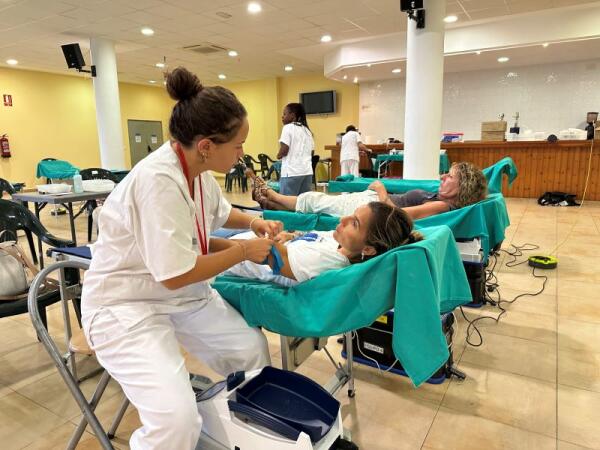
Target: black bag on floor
{"type": "Point", "coordinates": [557, 199]}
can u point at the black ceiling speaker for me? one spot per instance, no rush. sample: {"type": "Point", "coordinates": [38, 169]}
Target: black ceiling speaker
{"type": "Point", "coordinates": [73, 56]}
{"type": "Point", "coordinates": [410, 5]}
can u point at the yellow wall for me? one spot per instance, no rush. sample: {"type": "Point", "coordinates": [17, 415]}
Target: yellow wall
{"type": "Point", "coordinates": [143, 103]}
{"type": "Point", "coordinates": [260, 100]}
{"type": "Point", "coordinates": [54, 116]}
{"type": "Point", "coordinates": [324, 128]}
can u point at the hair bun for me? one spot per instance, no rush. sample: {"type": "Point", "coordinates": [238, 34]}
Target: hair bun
{"type": "Point", "coordinates": [183, 84]}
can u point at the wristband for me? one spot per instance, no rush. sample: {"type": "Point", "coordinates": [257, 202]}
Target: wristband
{"type": "Point", "coordinates": [252, 221]}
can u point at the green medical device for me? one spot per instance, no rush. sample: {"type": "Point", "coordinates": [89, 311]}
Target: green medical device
{"type": "Point", "coordinates": [543, 262]}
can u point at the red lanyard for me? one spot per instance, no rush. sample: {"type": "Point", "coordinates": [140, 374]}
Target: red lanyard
{"type": "Point", "coordinates": [202, 237]}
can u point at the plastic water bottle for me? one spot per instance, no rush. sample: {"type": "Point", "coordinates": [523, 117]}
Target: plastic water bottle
{"type": "Point", "coordinates": [77, 184]}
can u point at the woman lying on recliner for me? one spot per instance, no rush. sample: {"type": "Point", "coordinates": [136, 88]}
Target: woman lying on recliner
{"type": "Point", "coordinates": [464, 185]}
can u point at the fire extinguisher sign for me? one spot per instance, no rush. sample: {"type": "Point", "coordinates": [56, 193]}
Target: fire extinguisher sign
{"type": "Point", "coordinates": [7, 99]}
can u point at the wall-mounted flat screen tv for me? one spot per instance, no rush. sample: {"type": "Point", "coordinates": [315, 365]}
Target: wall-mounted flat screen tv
{"type": "Point", "coordinates": [318, 102]}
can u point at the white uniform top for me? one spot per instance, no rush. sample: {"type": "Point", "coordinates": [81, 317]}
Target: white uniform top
{"type": "Point", "coordinates": [308, 258]}
{"type": "Point", "coordinates": [148, 234]}
{"type": "Point", "coordinates": [298, 161]}
{"type": "Point", "coordinates": [349, 150]}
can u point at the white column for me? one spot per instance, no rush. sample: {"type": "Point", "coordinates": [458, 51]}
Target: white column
{"type": "Point", "coordinates": [424, 92]}
{"type": "Point", "coordinates": [108, 106]}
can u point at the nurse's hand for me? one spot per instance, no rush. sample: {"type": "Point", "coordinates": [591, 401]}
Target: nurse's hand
{"type": "Point", "coordinates": [256, 250]}
{"type": "Point", "coordinates": [269, 228]}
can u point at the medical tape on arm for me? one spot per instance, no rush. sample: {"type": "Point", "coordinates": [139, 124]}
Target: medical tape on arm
{"type": "Point", "coordinates": [277, 261]}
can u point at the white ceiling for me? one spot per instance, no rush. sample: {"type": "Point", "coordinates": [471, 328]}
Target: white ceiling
{"type": "Point", "coordinates": [285, 32]}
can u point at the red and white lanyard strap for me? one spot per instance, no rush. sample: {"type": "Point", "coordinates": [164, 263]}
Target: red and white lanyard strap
{"type": "Point", "coordinates": [202, 236]}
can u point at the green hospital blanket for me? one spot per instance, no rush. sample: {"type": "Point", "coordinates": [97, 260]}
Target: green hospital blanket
{"type": "Point", "coordinates": [55, 169]}
{"type": "Point", "coordinates": [487, 219]}
{"type": "Point", "coordinates": [347, 183]}
{"type": "Point", "coordinates": [420, 281]}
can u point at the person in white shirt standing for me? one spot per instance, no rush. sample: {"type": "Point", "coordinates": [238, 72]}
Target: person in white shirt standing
{"type": "Point", "coordinates": [349, 156]}
{"type": "Point", "coordinates": [147, 289]}
{"type": "Point", "coordinates": [296, 146]}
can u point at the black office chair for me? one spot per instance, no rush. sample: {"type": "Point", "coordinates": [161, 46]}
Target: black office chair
{"type": "Point", "coordinates": [238, 173]}
{"type": "Point", "coordinates": [265, 167]}
{"type": "Point", "coordinates": [94, 173]}
{"type": "Point", "coordinates": [14, 217]}
{"type": "Point", "coordinates": [7, 187]}
{"type": "Point", "coordinates": [366, 161]}
{"type": "Point", "coordinates": [250, 161]}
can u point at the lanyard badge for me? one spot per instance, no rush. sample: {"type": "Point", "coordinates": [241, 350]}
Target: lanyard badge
{"type": "Point", "coordinates": [202, 236]}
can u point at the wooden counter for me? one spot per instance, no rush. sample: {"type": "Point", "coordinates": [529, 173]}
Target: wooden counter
{"type": "Point", "coordinates": [542, 166]}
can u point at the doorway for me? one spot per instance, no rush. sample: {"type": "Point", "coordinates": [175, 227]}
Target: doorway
{"type": "Point", "coordinates": [145, 136]}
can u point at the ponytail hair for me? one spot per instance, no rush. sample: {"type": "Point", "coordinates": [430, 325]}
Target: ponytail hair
{"type": "Point", "coordinates": [202, 112]}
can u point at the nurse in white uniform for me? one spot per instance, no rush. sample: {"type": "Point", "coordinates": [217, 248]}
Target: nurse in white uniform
{"type": "Point", "coordinates": [147, 290]}
{"type": "Point", "coordinates": [296, 146]}
{"type": "Point", "coordinates": [349, 154]}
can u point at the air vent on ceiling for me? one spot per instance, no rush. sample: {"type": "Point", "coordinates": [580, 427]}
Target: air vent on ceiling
{"type": "Point", "coordinates": [206, 48]}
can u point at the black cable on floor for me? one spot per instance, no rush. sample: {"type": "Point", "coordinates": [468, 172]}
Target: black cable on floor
{"type": "Point", "coordinates": [492, 285]}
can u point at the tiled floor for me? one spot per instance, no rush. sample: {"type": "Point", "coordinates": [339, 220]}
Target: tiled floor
{"type": "Point", "coordinates": [533, 384]}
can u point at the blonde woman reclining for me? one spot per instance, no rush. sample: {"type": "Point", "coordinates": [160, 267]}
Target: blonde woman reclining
{"type": "Point", "coordinates": [464, 185]}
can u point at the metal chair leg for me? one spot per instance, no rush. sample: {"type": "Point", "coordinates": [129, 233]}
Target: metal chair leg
{"type": "Point", "coordinates": [117, 419]}
{"type": "Point", "coordinates": [92, 404]}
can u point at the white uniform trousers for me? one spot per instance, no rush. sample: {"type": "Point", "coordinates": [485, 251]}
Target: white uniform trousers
{"type": "Point", "coordinates": [349, 167]}
{"type": "Point", "coordinates": [145, 359]}
{"type": "Point", "coordinates": [335, 205]}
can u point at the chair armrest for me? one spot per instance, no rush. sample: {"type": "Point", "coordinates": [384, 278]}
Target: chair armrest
{"type": "Point", "coordinates": [54, 241]}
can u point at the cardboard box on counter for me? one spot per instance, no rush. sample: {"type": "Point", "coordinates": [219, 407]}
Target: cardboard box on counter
{"type": "Point", "coordinates": [498, 125]}
{"type": "Point", "coordinates": [493, 131]}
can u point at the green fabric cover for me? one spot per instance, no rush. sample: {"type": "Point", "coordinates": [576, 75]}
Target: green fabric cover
{"type": "Point", "coordinates": [273, 185]}
{"type": "Point", "coordinates": [56, 169]}
{"type": "Point", "coordinates": [348, 183]}
{"type": "Point", "coordinates": [419, 281]}
{"type": "Point", "coordinates": [487, 219]}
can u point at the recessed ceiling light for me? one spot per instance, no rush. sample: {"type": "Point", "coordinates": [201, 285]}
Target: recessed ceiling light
{"type": "Point", "coordinates": [503, 59]}
{"type": "Point", "coordinates": [326, 38]}
{"type": "Point", "coordinates": [151, 81]}
{"type": "Point", "coordinates": [222, 76]}
{"type": "Point", "coordinates": [345, 77]}
{"type": "Point", "coordinates": [545, 44]}
{"type": "Point", "coordinates": [160, 65]}
{"type": "Point", "coordinates": [12, 62]}
{"type": "Point", "coordinates": [478, 52]}
{"type": "Point", "coordinates": [232, 53]}
{"type": "Point", "coordinates": [450, 19]}
{"type": "Point", "coordinates": [355, 80]}
{"type": "Point", "coordinates": [369, 65]}
{"type": "Point", "coordinates": [254, 7]}
{"type": "Point", "coordinates": [397, 70]}
{"type": "Point", "coordinates": [147, 31]}
{"type": "Point", "coordinates": [288, 68]}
